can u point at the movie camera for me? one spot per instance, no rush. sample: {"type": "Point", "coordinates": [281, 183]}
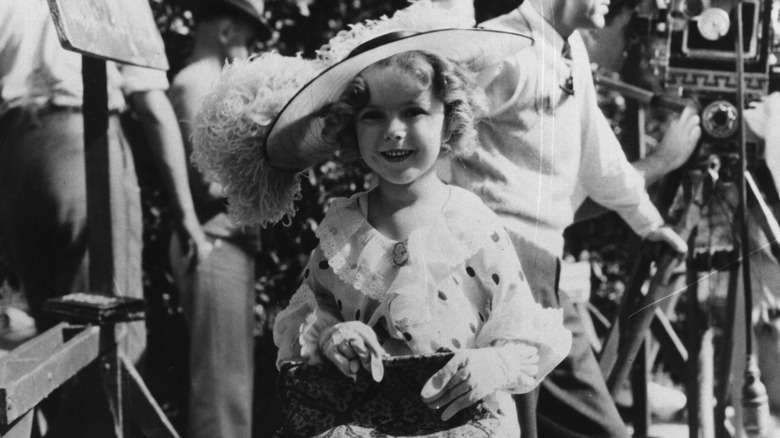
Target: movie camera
{"type": "Point", "coordinates": [699, 62]}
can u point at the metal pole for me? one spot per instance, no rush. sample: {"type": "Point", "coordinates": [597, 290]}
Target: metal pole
{"type": "Point", "coordinates": [755, 415]}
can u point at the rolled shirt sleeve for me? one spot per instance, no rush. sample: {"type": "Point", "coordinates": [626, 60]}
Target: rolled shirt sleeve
{"type": "Point", "coordinates": [604, 173]}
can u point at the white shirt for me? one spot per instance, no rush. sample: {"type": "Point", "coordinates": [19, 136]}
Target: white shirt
{"type": "Point", "coordinates": [544, 151]}
{"type": "Point", "coordinates": [35, 69]}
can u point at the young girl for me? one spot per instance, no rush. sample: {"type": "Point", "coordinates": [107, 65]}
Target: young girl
{"type": "Point", "coordinates": [413, 265]}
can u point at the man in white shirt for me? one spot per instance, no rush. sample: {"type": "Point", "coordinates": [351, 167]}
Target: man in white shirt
{"type": "Point", "coordinates": [545, 148]}
{"type": "Point", "coordinates": [43, 214]}
{"type": "Point", "coordinates": [218, 296]}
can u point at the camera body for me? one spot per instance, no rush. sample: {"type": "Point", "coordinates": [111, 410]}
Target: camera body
{"type": "Point", "coordinates": [701, 63]}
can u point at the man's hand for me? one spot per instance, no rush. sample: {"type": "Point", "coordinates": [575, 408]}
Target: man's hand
{"type": "Point", "coordinates": [350, 345]}
{"type": "Point", "coordinates": [167, 150]}
{"type": "Point", "coordinates": [680, 139]}
{"type": "Point", "coordinates": [666, 234]}
{"type": "Point", "coordinates": [763, 118]}
{"type": "Point", "coordinates": [675, 148]}
{"type": "Point", "coordinates": [471, 375]}
{"type": "Point", "coordinates": [762, 114]}
{"type": "Point", "coordinates": [195, 247]}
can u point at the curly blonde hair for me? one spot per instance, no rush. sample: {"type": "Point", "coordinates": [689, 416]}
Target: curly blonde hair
{"type": "Point", "coordinates": [464, 103]}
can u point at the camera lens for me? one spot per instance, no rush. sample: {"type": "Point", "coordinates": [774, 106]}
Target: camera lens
{"type": "Point", "coordinates": [719, 119]}
{"type": "Point", "coordinates": [694, 7]}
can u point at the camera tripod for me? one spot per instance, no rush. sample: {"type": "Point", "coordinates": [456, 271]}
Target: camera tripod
{"type": "Point", "coordinates": [699, 190]}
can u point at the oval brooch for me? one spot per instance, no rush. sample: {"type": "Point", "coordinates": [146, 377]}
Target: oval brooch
{"type": "Point", "coordinates": [400, 254]}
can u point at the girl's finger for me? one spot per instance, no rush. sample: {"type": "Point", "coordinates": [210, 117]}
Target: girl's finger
{"type": "Point", "coordinates": [343, 364]}
{"type": "Point", "coordinates": [451, 375]}
{"type": "Point", "coordinates": [459, 404]}
{"type": "Point", "coordinates": [360, 350]}
{"type": "Point", "coordinates": [452, 393]}
{"type": "Point", "coordinates": [370, 341]}
{"type": "Point", "coordinates": [346, 349]}
{"type": "Point", "coordinates": [354, 365]}
{"type": "Point", "coordinates": [438, 381]}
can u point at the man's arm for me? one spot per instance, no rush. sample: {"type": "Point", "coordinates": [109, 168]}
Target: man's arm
{"type": "Point", "coordinates": [673, 151]}
{"type": "Point", "coordinates": [185, 100]}
{"type": "Point", "coordinates": [162, 132]}
{"type": "Point", "coordinates": [675, 148]}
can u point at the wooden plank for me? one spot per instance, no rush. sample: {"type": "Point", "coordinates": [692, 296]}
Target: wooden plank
{"type": "Point", "coordinates": [96, 157]}
{"type": "Point", "coordinates": [21, 428]}
{"type": "Point", "coordinates": [118, 30]}
{"type": "Point", "coordinates": [639, 379]}
{"type": "Point", "coordinates": [111, 371]}
{"type": "Point", "coordinates": [27, 381]}
{"type": "Point", "coordinates": [37, 346]}
{"type": "Point", "coordinates": [608, 356]}
{"type": "Point", "coordinates": [664, 332]}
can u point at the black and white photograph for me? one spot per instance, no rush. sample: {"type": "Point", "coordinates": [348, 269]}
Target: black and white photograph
{"type": "Point", "coordinates": [389, 218]}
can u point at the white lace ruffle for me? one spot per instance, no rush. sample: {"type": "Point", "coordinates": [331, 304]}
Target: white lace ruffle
{"type": "Point", "coordinates": [309, 334]}
{"type": "Point", "coordinates": [362, 257]}
{"type": "Point", "coordinates": [303, 296]}
{"type": "Point", "coordinates": [528, 322]}
{"type": "Point", "coordinates": [532, 323]}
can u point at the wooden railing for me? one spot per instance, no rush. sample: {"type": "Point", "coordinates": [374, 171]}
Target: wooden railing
{"type": "Point", "coordinates": [122, 31]}
{"type": "Point", "coordinates": [33, 370]}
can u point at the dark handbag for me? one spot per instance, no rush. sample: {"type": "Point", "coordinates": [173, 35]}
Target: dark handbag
{"type": "Point", "coordinates": [319, 400]}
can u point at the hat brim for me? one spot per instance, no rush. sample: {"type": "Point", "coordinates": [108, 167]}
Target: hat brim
{"type": "Point", "coordinates": [294, 141]}
{"type": "Point", "coordinates": [259, 23]}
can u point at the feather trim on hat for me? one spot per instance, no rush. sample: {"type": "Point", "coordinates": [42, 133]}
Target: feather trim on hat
{"type": "Point", "coordinates": [420, 16]}
{"type": "Point", "coordinates": [229, 130]}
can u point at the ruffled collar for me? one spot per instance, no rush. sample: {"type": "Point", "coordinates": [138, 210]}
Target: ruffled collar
{"type": "Point", "coordinates": [362, 257]}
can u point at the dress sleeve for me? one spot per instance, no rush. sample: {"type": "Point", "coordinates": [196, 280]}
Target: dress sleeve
{"type": "Point", "coordinates": [312, 309]}
{"type": "Point", "coordinates": [514, 316]}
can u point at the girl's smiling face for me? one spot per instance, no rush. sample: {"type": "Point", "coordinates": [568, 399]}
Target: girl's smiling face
{"type": "Point", "coordinates": [399, 131]}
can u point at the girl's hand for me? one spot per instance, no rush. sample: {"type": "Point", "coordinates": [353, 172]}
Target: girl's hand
{"type": "Point", "coordinates": [472, 375]}
{"type": "Point", "coordinates": [350, 345]}
{"type": "Point", "coordinates": [666, 234]}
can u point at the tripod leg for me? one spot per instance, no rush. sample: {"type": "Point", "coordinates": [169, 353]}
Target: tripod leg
{"type": "Point", "coordinates": [641, 408]}
{"type": "Point", "coordinates": [609, 349]}
{"type": "Point", "coordinates": [706, 383]}
{"type": "Point", "coordinates": [636, 312]}
{"type": "Point", "coordinates": [638, 322]}
{"type": "Point", "coordinates": [694, 347]}
{"type": "Point", "coordinates": [724, 377]}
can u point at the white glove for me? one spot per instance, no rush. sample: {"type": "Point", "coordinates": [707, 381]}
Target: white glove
{"type": "Point", "coordinates": [350, 345]}
{"type": "Point", "coordinates": [471, 375]}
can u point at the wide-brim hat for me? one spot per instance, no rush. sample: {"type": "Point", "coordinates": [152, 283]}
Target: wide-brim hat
{"type": "Point", "coordinates": [294, 140]}
{"type": "Point", "coordinates": [251, 10]}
